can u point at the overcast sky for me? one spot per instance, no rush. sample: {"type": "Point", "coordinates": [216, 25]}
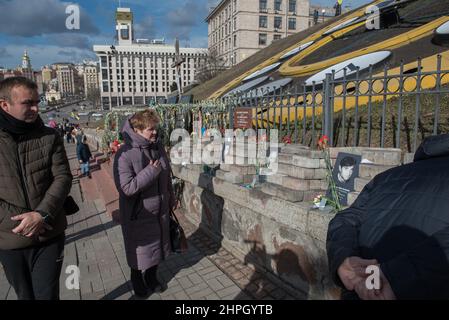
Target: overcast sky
{"type": "Point", "coordinates": [39, 26]}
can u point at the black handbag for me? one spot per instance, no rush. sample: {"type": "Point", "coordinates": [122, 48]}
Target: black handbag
{"type": "Point", "coordinates": [177, 236]}
{"type": "Point", "coordinates": [70, 206]}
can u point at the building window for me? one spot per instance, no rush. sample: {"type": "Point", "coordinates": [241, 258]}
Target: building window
{"type": "Point", "coordinates": [263, 5]}
{"type": "Point", "coordinates": [277, 5]}
{"type": "Point", "coordinates": [105, 87]}
{"type": "Point", "coordinates": [291, 23]}
{"type": "Point", "coordinates": [235, 40]}
{"type": "Point", "coordinates": [235, 5]}
{"type": "Point", "coordinates": [292, 5]}
{"type": "Point", "coordinates": [263, 21]}
{"type": "Point", "coordinates": [262, 39]}
{"type": "Point", "coordinates": [278, 22]}
{"type": "Point", "coordinates": [235, 24]}
{"type": "Point", "coordinates": [277, 37]}
{"type": "Point", "coordinates": [104, 62]}
{"type": "Point", "coordinates": [124, 32]}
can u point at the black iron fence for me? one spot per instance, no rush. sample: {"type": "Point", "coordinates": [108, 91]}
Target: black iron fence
{"type": "Point", "coordinates": [356, 107]}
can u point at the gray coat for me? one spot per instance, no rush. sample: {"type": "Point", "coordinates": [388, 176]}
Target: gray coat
{"type": "Point", "coordinates": [146, 195]}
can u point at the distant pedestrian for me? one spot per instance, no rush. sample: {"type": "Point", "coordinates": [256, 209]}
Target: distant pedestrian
{"type": "Point", "coordinates": [84, 156]}
{"type": "Point", "coordinates": [78, 135]}
{"type": "Point", "coordinates": [35, 180]}
{"type": "Point", "coordinates": [68, 133]}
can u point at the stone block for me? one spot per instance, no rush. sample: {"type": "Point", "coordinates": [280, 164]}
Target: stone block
{"type": "Point", "coordinates": [285, 158]}
{"type": "Point", "coordinates": [241, 161]}
{"type": "Point", "coordinates": [320, 184]}
{"type": "Point", "coordinates": [195, 167]}
{"type": "Point", "coordinates": [352, 150]}
{"type": "Point", "coordinates": [243, 170]}
{"type": "Point", "coordinates": [295, 149]}
{"type": "Point", "coordinates": [408, 158]}
{"type": "Point", "coordinates": [360, 183]}
{"type": "Point", "coordinates": [369, 171]}
{"type": "Point", "coordinates": [289, 182]}
{"type": "Point", "coordinates": [305, 162]}
{"type": "Point", "coordinates": [352, 196]}
{"type": "Point", "coordinates": [282, 192]}
{"type": "Point", "coordinates": [300, 161]}
{"type": "Point", "coordinates": [380, 156]}
{"type": "Point", "coordinates": [276, 178]}
{"type": "Point", "coordinates": [318, 222]}
{"type": "Point", "coordinates": [233, 177]}
{"type": "Point", "coordinates": [296, 172]}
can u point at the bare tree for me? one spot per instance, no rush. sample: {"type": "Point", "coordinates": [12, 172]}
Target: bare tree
{"type": "Point", "coordinates": [94, 96]}
{"type": "Point", "coordinates": [210, 67]}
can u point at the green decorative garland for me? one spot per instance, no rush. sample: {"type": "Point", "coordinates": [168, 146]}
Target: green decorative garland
{"type": "Point", "coordinates": [213, 115]}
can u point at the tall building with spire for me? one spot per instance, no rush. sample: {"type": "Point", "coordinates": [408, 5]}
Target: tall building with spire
{"type": "Point", "coordinates": [27, 70]}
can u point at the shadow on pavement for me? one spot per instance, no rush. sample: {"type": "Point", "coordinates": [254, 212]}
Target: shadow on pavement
{"type": "Point", "coordinates": [89, 232]}
{"type": "Point", "coordinates": [118, 292]}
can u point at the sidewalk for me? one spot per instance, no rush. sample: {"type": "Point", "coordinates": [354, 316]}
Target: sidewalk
{"type": "Point", "coordinates": [94, 242]}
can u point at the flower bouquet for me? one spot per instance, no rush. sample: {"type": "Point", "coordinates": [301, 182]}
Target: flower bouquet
{"type": "Point", "coordinates": [334, 200]}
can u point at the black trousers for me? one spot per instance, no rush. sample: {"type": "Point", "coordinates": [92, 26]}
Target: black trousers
{"type": "Point", "coordinates": [34, 272]}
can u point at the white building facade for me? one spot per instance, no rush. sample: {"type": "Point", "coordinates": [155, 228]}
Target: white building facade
{"type": "Point", "coordinates": [240, 28]}
{"type": "Point", "coordinates": [90, 75]}
{"type": "Point", "coordinates": [66, 79]}
{"type": "Point", "coordinates": [132, 73]}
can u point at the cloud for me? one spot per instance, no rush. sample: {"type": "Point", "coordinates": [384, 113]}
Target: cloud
{"type": "Point", "coordinates": [42, 55]}
{"type": "Point", "coordinates": [66, 53]}
{"type": "Point", "coordinates": [28, 18]}
{"type": "Point", "coordinates": [70, 40]}
{"type": "Point", "coordinates": [4, 53]}
{"type": "Point", "coordinates": [197, 42]}
{"type": "Point", "coordinates": [183, 19]}
{"type": "Point", "coordinates": [145, 29]}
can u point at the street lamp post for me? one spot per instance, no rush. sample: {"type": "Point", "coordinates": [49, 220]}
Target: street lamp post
{"type": "Point", "coordinates": [119, 75]}
{"type": "Point", "coordinates": [323, 12]}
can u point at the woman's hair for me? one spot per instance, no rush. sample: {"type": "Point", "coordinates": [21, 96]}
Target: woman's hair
{"type": "Point", "coordinates": [144, 119]}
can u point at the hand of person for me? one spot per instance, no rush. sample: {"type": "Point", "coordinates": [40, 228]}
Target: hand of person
{"type": "Point", "coordinates": [385, 292]}
{"type": "Point", "coordinates": [80, 161]}
{"type": "Point", "coordinates": [155, 163]}
{"type": "Point", "coordinates": [352, 271]}
{"type": "Point", "coordinates": [30, 225]}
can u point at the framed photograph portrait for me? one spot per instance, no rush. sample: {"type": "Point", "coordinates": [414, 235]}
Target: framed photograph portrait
{"type": "Point", "coordinates": [345, 171]}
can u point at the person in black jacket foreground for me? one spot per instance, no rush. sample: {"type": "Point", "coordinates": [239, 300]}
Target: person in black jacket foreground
{"type": "Point", "coordinates": [399, 222]}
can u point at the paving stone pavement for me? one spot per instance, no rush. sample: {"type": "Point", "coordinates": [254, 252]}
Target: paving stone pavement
{"type": "Point", "coordinates": [94, 243]}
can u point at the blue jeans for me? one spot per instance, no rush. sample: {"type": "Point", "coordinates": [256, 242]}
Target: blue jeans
{"type": "Point", "coordinates": [85, 168]}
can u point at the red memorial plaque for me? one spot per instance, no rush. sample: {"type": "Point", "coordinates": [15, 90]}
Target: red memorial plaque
{"type": "Point", "coordinates": [243, 118]}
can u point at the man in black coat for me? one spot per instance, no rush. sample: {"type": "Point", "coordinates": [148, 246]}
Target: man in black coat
{"type": "Point", "coordinates": [400, 223]}
{"type": "Point", "coordinates": [84, 155]}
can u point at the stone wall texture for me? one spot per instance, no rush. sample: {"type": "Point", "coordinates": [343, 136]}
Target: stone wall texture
{"type": "Point", "coordinates": [273, 226]}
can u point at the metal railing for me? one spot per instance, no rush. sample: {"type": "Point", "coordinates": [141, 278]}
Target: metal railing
{"type": "Point", "coordinates": [356, 108]}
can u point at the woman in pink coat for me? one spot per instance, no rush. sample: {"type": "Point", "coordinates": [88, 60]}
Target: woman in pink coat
{"type": "Point", "coordinates": [142, 177]}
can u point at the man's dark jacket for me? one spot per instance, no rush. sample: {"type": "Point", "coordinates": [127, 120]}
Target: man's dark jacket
{"type": "Point", "coordinates": [83, 152]}
{"type": "Point", "coordinates": [34, 175]}
{"type": "Point", "coordinates": [401, 218]}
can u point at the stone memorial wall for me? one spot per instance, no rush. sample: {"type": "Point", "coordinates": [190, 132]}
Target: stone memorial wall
{"type": "Point", "coordinates": [272, 224]}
